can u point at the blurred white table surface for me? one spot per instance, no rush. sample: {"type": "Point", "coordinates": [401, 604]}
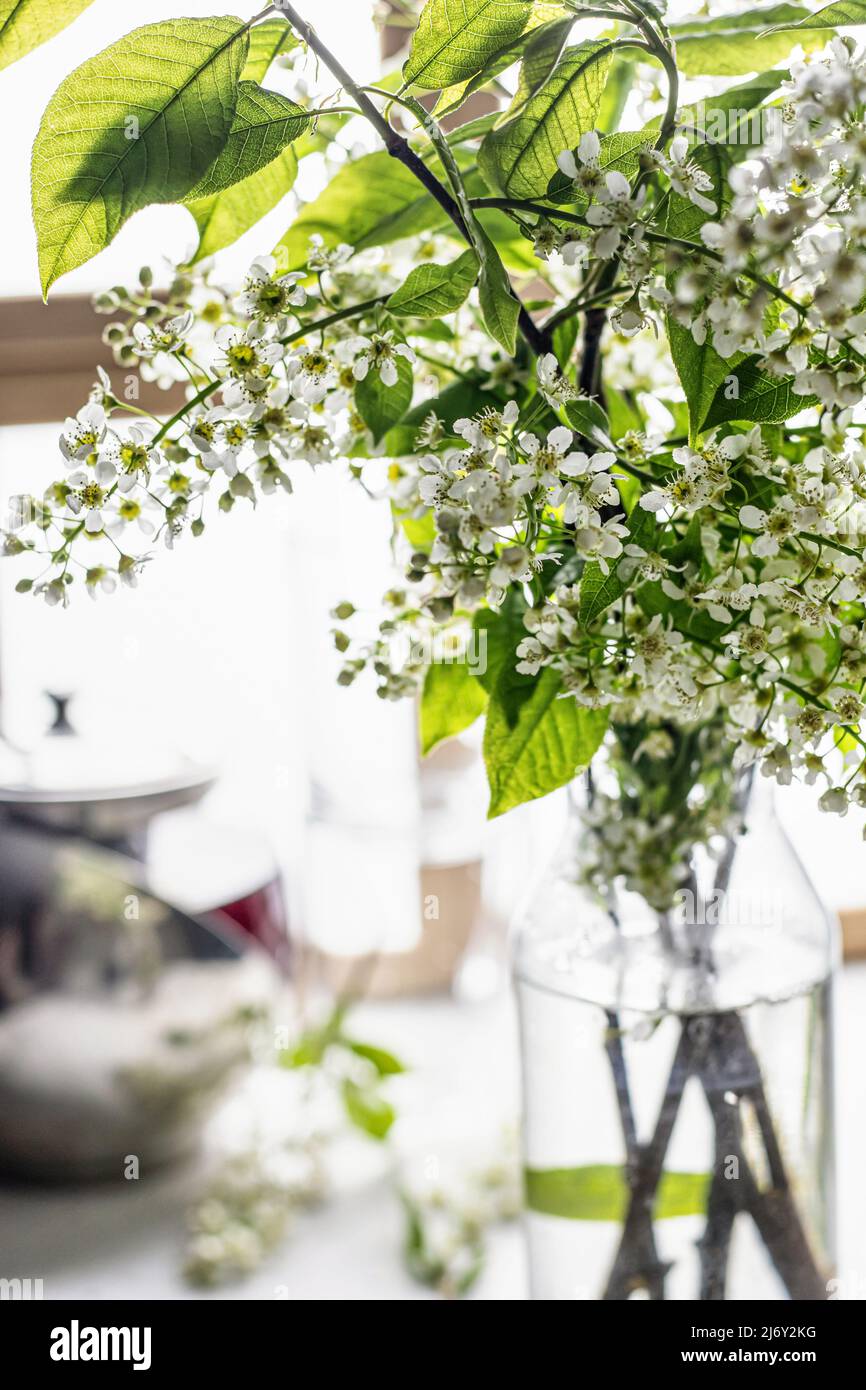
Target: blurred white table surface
{"type": "Point", "coordinates": [124, 1240]}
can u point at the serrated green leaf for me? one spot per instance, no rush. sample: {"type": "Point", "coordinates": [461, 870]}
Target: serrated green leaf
{"type": "Point", "coordinates": [455, 38]}
{"type": "Point", "coordinates": [224, 217]}
{"type": "Point", "coordinates": [535, 741]}
{"type": "Point", "coordinates": [729, 44]}
{"type": "Point", "coordinates": [267, 41]}
{"type": "Point", "coordinates": [599, 1192]}
{"type": "Point", "coordinates": [760, 397]}
{"type": "Point", "coordinates": [431, 290]}
{"type": "Point", "coordinates": [368, 1110]}
{"type": "Point", "coordinates": [504, 57]}
{"type": "Point", "coordinates": [264, 123]}
{"type": "Point", "coordinates": [25, 24]}
{"type": "Point", "coordinates": [519, 158]}
{"type": "Point", "coordinates": [381, 406]}
{"type": "Point", "coordinates": [139, 123]}
{"type": "Point", "coordinates": [452, 700]}
{"type": "Point", "coordinates": [834, 16]}
{"type": "Point", "coordinates": [599, 590]}
{"type": "Point", "coordinates": [701, 371]}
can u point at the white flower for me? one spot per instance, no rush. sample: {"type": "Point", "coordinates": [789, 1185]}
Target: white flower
{"type": "Point", "coordinates": [82, 435]}
{"type": "Point", "coordinates": [835, 801]}
{"type": "Point", "coordinates": [88, 497]}
{"type": "Point", "coordinates": [686, 177]}
{"type": "Point", "coordinates": [165, 337]}
{"type": "Point", "coordinates": [321, 258]}
{"type": "Point", "coordinates": [587, 486]}
{"type": "Point", "coordinates": [614, 213]}
{"type": "Point", "coordinates": [131, 459]}
{"type": "Point", "coordinates": [532, 656]}
{"type": "Point", "coordinates": [311, 373]}
{"type": "Point", "coordinates": [484, 430]}
{"type": "Point", "coordinates": [380, 353]}
{"type": "Point", "coordinates": [601, 542]}
{"type": "Point", "coordinates": [553, 385]}
{"type": "Point", "coordinates": [246, 357]}
{"type": "Point", "coordinates": [774, 527]}
{"type": "Point", "coordinates": [268, 297]}
{"type": "Point", "coordinates": [586, 174]}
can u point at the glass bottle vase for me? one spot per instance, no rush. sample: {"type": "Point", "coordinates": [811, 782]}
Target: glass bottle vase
{"type": "Point", "coordinates": [678, 1109]}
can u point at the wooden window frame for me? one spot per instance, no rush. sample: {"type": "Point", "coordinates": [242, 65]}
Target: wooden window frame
{"type": "Point", "coordinates": [48, 359]}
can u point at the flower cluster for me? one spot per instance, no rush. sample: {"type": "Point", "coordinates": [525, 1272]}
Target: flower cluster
{"type": "Point", "coordinates": [674, 567]}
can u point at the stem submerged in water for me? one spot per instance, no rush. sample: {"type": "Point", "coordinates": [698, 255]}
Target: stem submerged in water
{"type": "Point", "coordinates": [715, 1050]}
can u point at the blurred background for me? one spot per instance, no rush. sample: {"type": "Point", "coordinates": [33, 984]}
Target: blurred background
{"type": "Point", "coordinates": [180, 753]}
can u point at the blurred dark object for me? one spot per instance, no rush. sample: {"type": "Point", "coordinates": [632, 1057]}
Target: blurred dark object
{"type": "Point", "coordinates": [121, 1018]}
{"type": "Point", "coordinates": [76, 786]}
{"type": "Point", "coordinates": [66, 782]}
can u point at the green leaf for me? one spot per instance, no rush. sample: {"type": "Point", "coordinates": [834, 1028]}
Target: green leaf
{"type": "Point", "coordinates": [733, 43]}
{"type": "Point", "coordinates": [458, 400]}
{"type": "Point", "coordinates": [599, 590]}
{"type": "Point", "coordinates": [267, 40]}
{"type": "Point", "coordinates": [451, 700]}
{"type": "Point", "coordinates": [139, 123]}
{"type": "Point", "coordinates": [701, 372]}
{"type": "Point", "coordinates": [499, 306]}
{"type": "Point", "coordinates": [455, 38]}
{"type": "Point", "coordinates": [700, 368]}
{"type": "Point", "coordinates": [500, 630]}
{"type": "Point", "coordinates": [589, 419]}
{"type": "Point", "coordinates": [369, 202]}
{"type": "Point", "coordinates": [534, 741]}
{"type": "Point", "coordinates": [381, 406]}
{"type": "Point", "coordinates": [840, 13]}
{"type": "Point", "coordinates": [264, 123]}
{"type": "Point", "coordinates": [541, 54]}
{"type": "Point", "coordinates": [385, 1063]}
{"type": "Point", "coordinates": [367, 1110]}
{"type": "Point", "coordinates": [599, 1192]}
{"type": "Point", "coordinates": [760, 398]}
{"type": "Point", "coordinates": [564, 340]}
{"type": "Point", "coordinates": [432, 290]}
{"type": "Point", "coordinates": [519, 158]}
{"type": "Point", "coordinates": [223, 217]}
{"type": "Point", "coordinates": [509, 53]}
{"type": "Point", "coordinates": [308, 1051]}
{"type": "Point", "coordinates": [25, 24]}
{"type": "Point", "coordinates": [616, 92]}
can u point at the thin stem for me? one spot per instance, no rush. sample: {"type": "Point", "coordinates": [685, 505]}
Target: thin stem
{"type": "Point", "coordinates": [398, 146]}
{"type": "Point", "coordinates": [211, 387]}
{"type": "Point", "coordinates": [694, 247]}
